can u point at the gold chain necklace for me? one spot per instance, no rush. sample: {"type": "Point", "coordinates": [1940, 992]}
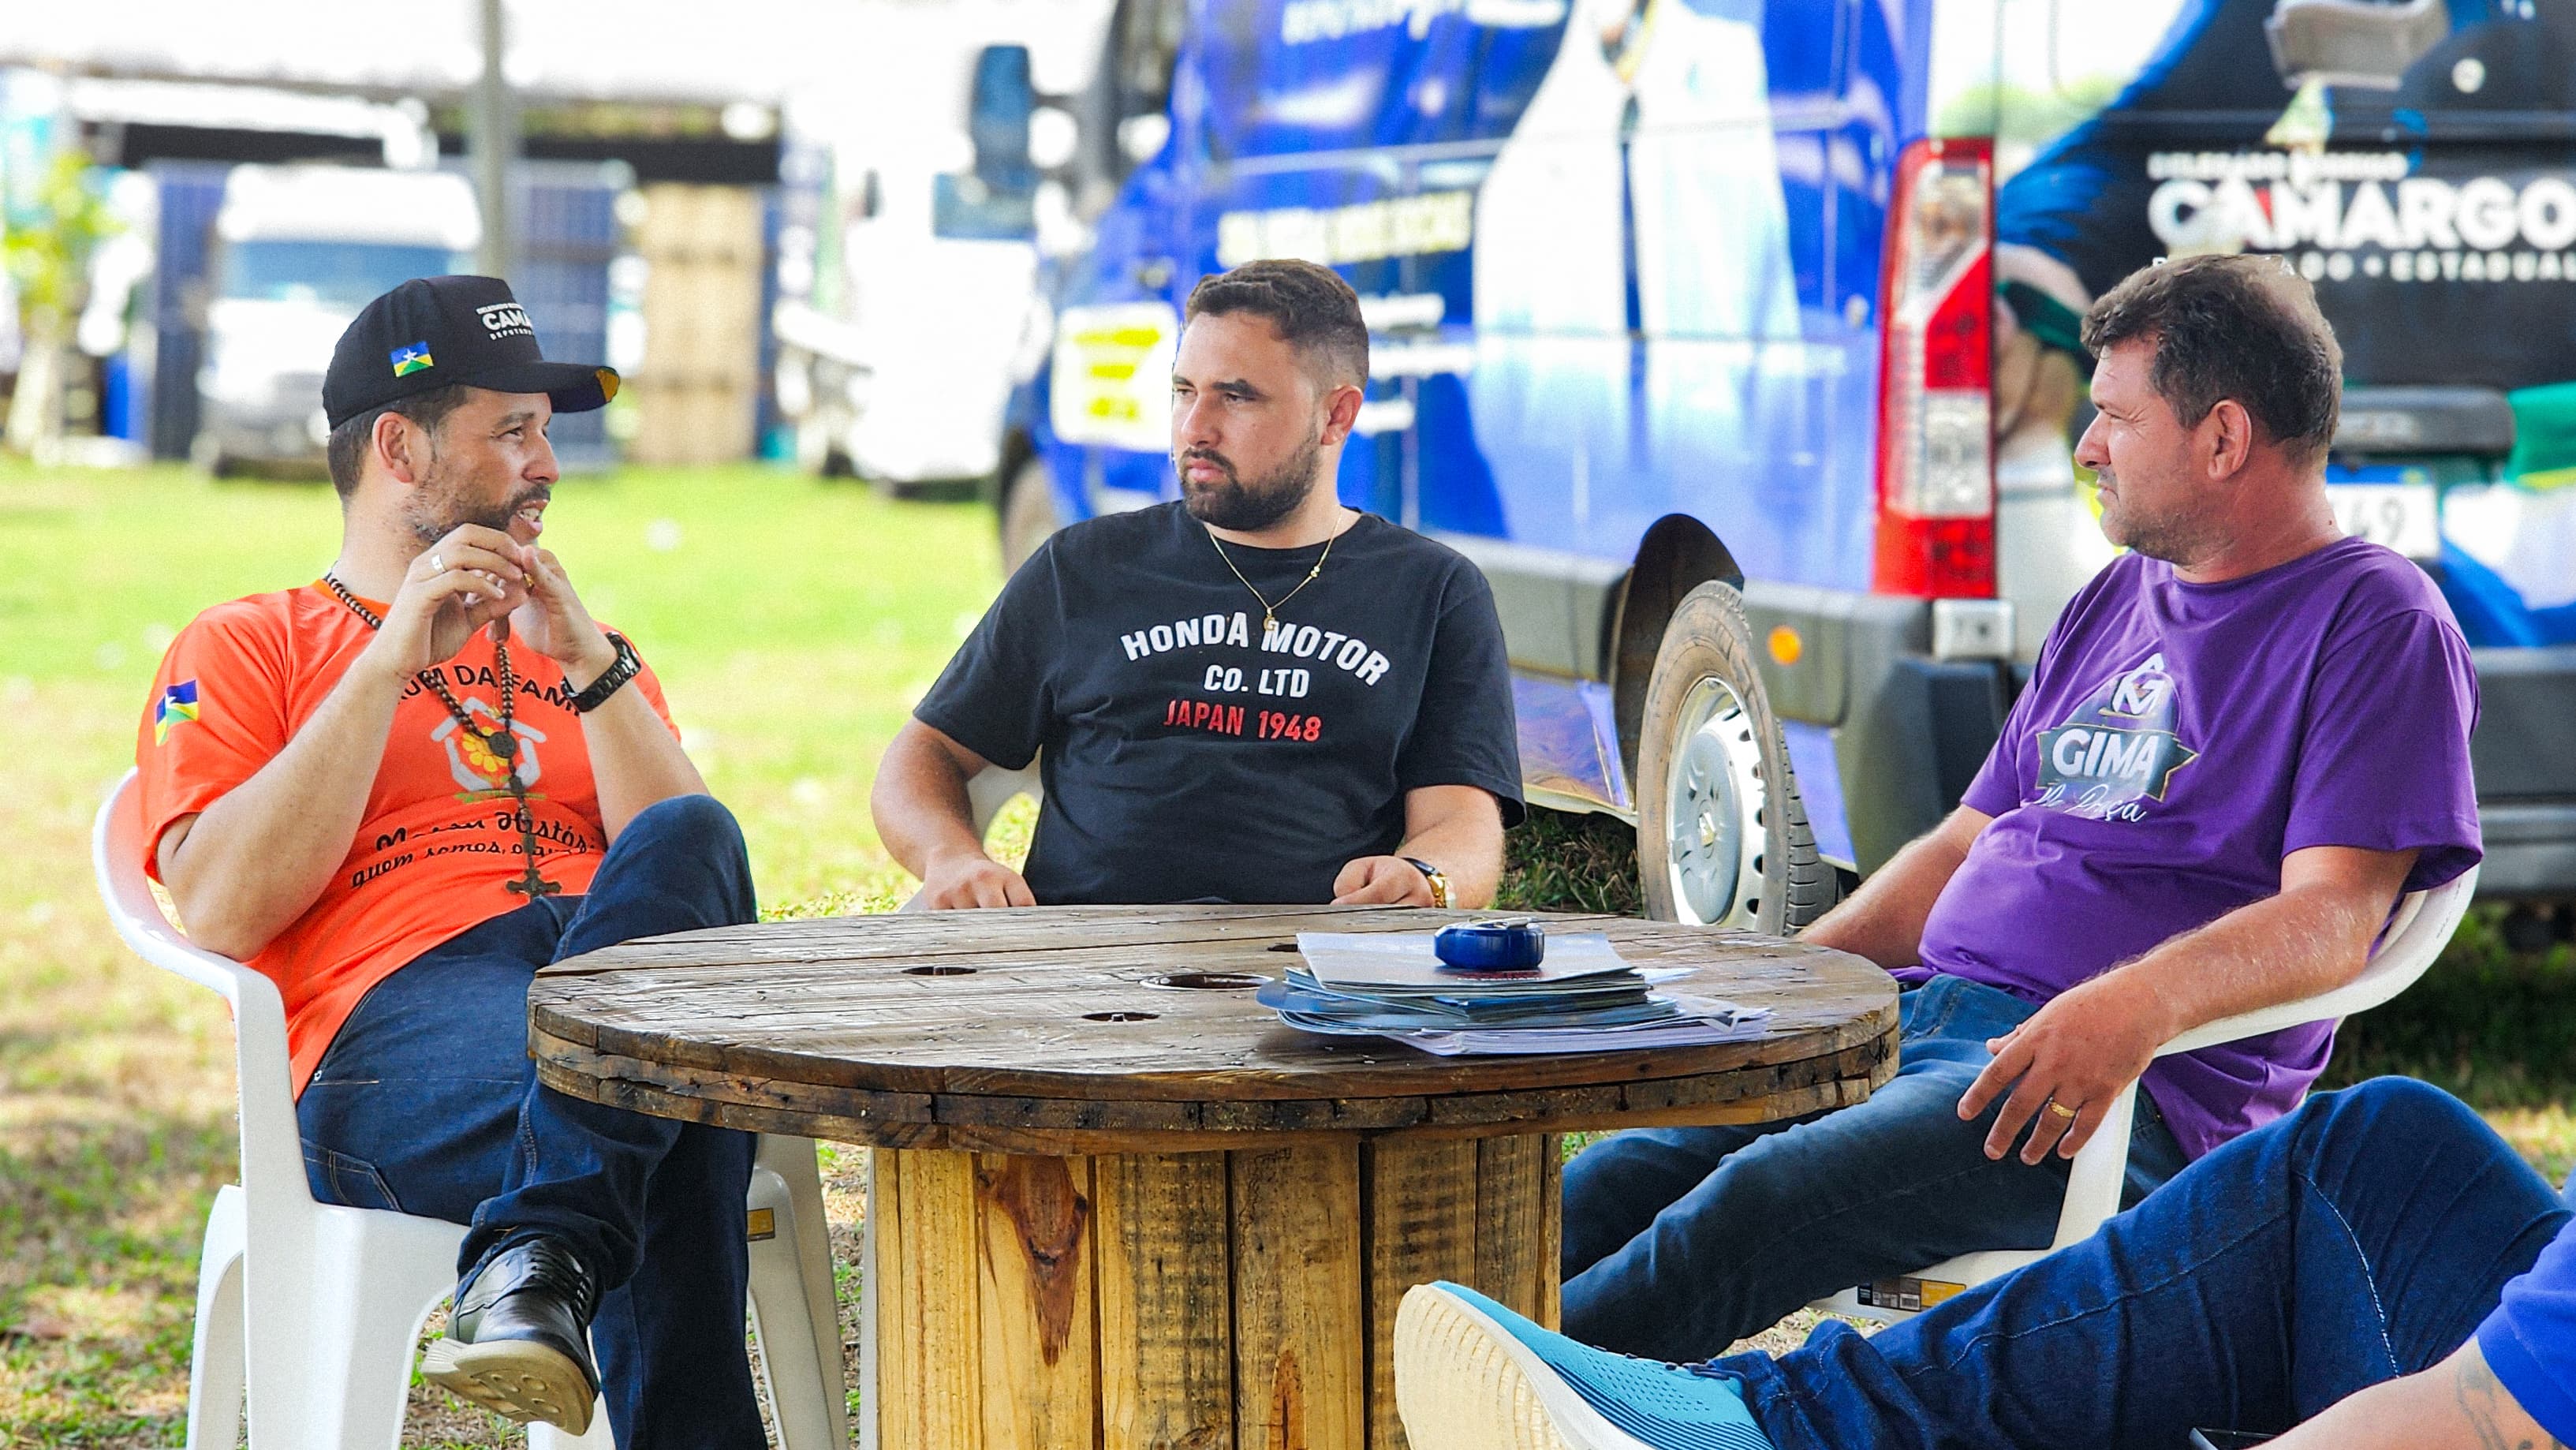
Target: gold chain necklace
{"type": "Point", "coordinates": [1270, 607]}
{"type": "Point", "coordinates": [502, 743]}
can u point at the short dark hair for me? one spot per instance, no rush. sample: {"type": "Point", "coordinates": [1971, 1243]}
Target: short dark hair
{"type": "Point", "coordinates": [1315, 311]}
{"type": "Point", "coordinates": [2246, 328]}
{"type": "Point", "coordinates": [347, 450]}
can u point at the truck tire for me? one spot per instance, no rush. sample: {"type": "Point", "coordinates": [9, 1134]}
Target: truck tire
{"type": "Point", "coordinates": [1028, 514]}
{"type": "Point", "coordinates": [1722, 836]}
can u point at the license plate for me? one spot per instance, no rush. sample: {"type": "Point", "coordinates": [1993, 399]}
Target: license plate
{"type": "Point", "coordinates": [2404, 516]}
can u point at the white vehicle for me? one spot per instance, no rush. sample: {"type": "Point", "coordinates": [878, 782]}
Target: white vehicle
{"type": "Point", "coordinates": [298, 250]}
{"type": "Point", "coordinates": [903, 376]}
{"type": "Point", "coordinates": [918, 210]}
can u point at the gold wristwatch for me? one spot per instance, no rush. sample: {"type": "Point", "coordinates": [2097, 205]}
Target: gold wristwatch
{"type": "Point", "coordinates": [1432, 874]}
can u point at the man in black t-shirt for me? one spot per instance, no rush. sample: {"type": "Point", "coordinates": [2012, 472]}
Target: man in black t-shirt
{"type": "Point", "coordinates": [1252, 694]}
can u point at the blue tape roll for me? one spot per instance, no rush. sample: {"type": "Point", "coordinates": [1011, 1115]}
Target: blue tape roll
{"type": "Point", "coordinates": [1490, 946]}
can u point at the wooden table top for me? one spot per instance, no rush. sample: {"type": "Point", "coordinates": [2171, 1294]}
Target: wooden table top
{"type": "Point", "coordinates": [1118, 1029]}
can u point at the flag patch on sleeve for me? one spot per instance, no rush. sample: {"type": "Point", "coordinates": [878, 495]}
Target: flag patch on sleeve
{"type": "Point", "coordinates": [178, 704]}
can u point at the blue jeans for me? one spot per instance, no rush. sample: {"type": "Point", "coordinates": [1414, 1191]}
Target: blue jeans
{"type": "Point", "coordinates": [1681, 1241]}
{"type": "Point", "coordinates": [2361, 1238]}
{"type": "Point", "coordinates": [427, 1103]}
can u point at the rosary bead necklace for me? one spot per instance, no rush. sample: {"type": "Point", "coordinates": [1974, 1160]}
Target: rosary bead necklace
{"type": "Point", "coordinates": [503, 744]}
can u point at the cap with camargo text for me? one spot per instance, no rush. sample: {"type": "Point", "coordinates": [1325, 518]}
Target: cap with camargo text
{"type": "Point", "coordinates": [435, 332]}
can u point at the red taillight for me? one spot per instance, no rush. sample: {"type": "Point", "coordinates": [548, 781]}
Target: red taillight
{"type": "Point", "coordinates": [1936, 447]}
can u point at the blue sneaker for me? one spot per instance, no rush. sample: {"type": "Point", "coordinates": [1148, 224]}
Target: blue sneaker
{"type": "Point", "coordinates": [1472, 1375]}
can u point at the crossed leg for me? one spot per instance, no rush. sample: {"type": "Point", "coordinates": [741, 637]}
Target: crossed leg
{"type": "Point", "coordinates": [427, 1103]}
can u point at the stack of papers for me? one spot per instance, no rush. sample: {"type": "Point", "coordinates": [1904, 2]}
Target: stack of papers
{"type": "Point", "coordinates": [1582, 998]}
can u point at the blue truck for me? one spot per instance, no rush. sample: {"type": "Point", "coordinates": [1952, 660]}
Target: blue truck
{"type": "Point", "coordinates": [1735, 341]}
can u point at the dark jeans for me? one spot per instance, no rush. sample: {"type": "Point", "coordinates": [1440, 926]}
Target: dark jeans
{"type": "Point", "coordinates": [1681, 1241]}
{"type": "Point", "coordinates": [427, 1103]}
{"type": "Point", "coordinates": [2361, 1238]}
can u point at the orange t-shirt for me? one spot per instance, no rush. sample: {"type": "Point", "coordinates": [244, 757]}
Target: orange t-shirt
{"type": "Point", "coordinates": [439, 838]}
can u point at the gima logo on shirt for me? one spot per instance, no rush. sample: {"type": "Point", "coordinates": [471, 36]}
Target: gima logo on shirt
{"type": "Point", "coordinates": [2116, 750]}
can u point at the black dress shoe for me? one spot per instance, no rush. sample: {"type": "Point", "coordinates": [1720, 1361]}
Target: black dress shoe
{"type": "Point", "coordinates": [518, 1343]}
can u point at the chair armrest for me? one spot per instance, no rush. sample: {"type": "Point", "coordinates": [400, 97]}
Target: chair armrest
{"type": "Point", "coordinates": [993, 787]}
{"type": "Point", "coordinates": [2095, 1178]}
{"type": "Point", "coordinates": [2377, 983]}
{"type": "Point", "coordinates": [2418, 930]}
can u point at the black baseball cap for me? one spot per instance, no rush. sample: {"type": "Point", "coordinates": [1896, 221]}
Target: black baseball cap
{"type": "Point", "coordinates": [434, 332]}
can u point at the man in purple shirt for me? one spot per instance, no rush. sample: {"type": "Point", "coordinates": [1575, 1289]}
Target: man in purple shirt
{"type": "Point", "coordinates": [2243, 740]}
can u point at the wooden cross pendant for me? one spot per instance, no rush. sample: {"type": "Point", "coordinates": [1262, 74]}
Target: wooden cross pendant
{"type": "Point", "coordinates": [531, 885]}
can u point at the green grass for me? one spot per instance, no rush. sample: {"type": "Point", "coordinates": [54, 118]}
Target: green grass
{"type": "Point", "coordinates": [2494, 1026]}
{"type": "Point", "coordinates": [1558, 861]}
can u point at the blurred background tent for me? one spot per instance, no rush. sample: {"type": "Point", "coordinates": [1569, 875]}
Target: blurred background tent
{"type": "Point", "coordinates": [661, 186]}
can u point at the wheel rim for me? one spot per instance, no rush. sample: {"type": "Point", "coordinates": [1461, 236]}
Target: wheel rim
{"type": "Point", "coordinates": [1713, 810]}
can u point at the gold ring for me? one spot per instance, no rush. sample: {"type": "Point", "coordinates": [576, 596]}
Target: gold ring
{"type": "Point", "coordinates": [2061, 1109]}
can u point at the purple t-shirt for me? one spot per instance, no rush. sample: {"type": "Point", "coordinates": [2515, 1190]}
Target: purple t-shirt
{"type": "Point", "coordinates": [2175, 743]}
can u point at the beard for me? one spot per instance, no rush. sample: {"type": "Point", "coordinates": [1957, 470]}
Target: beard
{"type": "Point", "coordinates": [445, 501]}
{"type": "Point", "coordinates": [1248, 507]}
{"type": "Point", "coordinates": [2174, 536]}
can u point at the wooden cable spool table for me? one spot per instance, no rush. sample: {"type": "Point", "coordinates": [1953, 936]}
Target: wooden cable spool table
{"type": "Point", "coordinates": [1114, 1202]}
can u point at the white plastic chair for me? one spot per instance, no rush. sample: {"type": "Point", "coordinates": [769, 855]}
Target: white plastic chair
{"type": "Point", "coordinates": [987, 791]}
{"type": "Point", "coordinates": [2417, 932]}
{"type": "Point", "coordinates": [313, 1310]}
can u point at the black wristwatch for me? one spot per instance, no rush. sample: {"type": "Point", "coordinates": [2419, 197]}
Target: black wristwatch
{"type": "Point", "coordinates": [611, 680]}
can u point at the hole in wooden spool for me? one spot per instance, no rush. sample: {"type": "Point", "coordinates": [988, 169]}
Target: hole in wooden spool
{"type": "Point", "coordinates": [937, 970]}
{"type": "Point", "coordinates": [1206, 981]}
{"type": "Point", "coordinates": [1120, 1016]}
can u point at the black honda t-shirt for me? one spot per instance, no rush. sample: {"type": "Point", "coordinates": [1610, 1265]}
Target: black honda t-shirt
{"type": "Point", "coordinates": [1187, 753]}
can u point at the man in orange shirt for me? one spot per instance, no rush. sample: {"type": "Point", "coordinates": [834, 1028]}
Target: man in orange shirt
{"type": "Point", "coordinates": [399, 791]}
